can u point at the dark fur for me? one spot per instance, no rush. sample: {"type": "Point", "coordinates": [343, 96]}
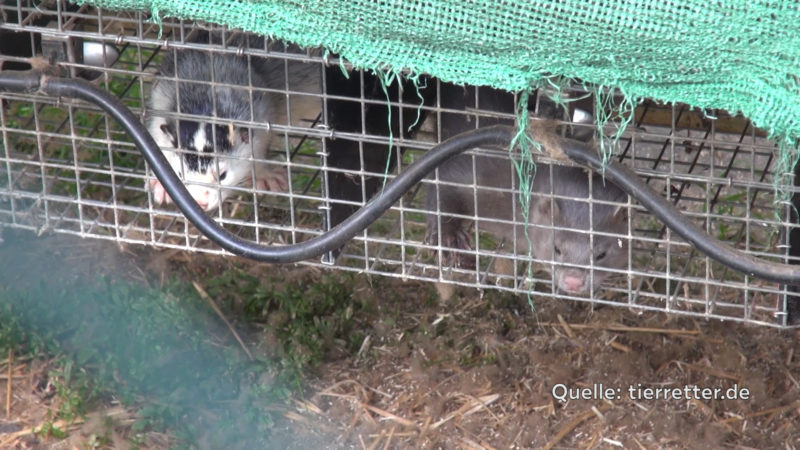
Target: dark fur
{"type": "Point", "coordinates": [495, 202]}
{"type": "Point", "coordinates": [193, 95]}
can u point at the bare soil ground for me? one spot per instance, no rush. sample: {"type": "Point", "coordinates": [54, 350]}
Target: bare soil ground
{"type": "Point", "coordinates": [477, 371]}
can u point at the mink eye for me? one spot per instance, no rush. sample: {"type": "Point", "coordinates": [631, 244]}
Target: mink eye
{"type": "Point", "coordinates": [557, 250]}
{"type": "Point", "coordinates": [223, 175]}
{"type": "Point", "coordinates": [601, 256]}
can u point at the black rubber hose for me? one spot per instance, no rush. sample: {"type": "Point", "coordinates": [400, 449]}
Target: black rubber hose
{"type": "Point", "coordinates": [18, 81]}
{"type": "Point", "coordinates": [617, 173]}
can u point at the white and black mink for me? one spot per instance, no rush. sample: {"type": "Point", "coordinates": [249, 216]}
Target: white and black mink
{"type": "Point", "coordinates": [222, 134]}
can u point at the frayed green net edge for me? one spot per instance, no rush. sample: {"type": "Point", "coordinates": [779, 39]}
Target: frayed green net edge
{"type": "Point", "coordinates": [605, 113]}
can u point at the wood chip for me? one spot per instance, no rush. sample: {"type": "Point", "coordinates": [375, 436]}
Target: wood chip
{"type": "Point", "coordinates": [621, 347]}
{"type": "Point", "coordinates": [641, 447]}
{"type": "Point", "coordinates": [389, 438]}
{"type": "Point", "coordinates": [10, 382]}
{"type": "Point", "coordinates": [308, 406]}
{"type": "Point", "coordinates": [389, 415]}
{"type": "Point", "coordinates": [468, 408]}
{"type": "Point", "coordinates": [573, 424]}
{"type": "Point", "coordinates": [711, 371]}
{"type": "Point", "coordinates": [216, 309]}
{"type": "Point", "coordinates": [777, 410]}
{"type": "Point", "coordinates": [565, 326]}
{"type": "Point", "coordinates": [291, 415]}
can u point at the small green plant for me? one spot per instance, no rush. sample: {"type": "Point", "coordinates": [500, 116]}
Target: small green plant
{"type": "Point", "coordinates": [71, 391]}
{"type": "Point", "coordinates": [309, 318]}
{"type": "Point", "coordinates": [49, 429]}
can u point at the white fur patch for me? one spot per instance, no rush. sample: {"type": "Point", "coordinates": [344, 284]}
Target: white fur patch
{"type": "Point", "coordinates": [199, 139]}
{"type": "Point", "coordinates": [160, 98]}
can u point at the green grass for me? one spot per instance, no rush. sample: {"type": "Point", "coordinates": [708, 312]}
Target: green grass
{"type": "Point", "coordinates": [311, 320]}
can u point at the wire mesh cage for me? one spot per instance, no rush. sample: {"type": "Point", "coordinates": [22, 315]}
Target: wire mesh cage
{"type": "Point", "coordinates": [67, 167]}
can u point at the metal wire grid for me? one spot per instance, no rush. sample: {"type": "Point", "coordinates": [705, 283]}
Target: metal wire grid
{"type": "Point", "coordinates": [69, 169]}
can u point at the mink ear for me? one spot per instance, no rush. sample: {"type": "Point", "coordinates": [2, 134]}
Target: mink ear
{"type": "Point", "coordinates": [547, 207]}
{"type": "Point", "coordinates": [169, 130]}
{"type": "Point", "coordinates": [556, 209]}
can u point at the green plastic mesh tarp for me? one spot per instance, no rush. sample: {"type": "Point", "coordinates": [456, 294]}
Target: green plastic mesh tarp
{"type": "Point", "coordinates": [737, 55]}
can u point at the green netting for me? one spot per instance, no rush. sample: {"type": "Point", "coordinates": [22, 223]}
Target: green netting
{"type": "Point", "coordinates": [737, 55]}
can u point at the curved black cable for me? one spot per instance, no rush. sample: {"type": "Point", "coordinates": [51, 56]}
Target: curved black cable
{"type": "Point", "coordinates": [498, 135]}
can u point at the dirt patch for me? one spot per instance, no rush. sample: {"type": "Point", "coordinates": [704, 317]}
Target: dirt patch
{"type": "Point", "coordinates": [479, 371]}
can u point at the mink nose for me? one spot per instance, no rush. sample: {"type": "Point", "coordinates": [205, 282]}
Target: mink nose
{"type": "Point", "coordinates": [572, 283]}
{"type": "Point", "coordinates": [203, 199]}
